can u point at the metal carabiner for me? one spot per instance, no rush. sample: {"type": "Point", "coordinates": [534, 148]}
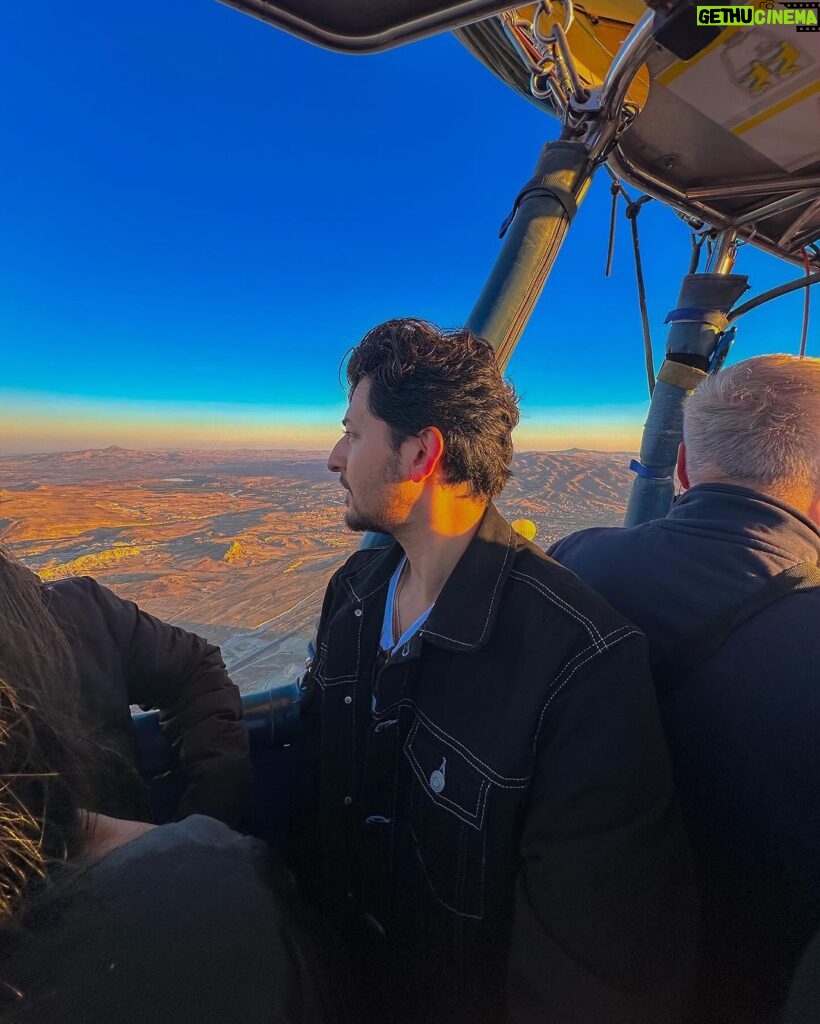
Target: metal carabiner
{"type": "Point", "coordinates": [545, 8]}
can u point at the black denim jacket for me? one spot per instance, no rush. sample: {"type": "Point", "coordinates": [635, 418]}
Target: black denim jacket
{"type": "Point", "coordinates": [497, 837]}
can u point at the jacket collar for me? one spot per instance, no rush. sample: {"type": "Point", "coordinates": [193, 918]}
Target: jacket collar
{"type": "Point", "coordinates": [752, 518]}
{"type": "Point", "coordinates": [465, 612]}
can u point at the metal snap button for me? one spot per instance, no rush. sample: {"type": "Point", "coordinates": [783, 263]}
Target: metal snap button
{"type": "Point", "coordinates": [348, 801]}
{"type": "Point", "coordinates": [357, 612]}
{"type": "Point", "coordinates": [437, 779]}
{"type": "Point", "coordinates": [348, 700]}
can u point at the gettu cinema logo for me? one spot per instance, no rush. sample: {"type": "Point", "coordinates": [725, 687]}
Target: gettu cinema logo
{"type": "Point", "coordinates": [804, 16]}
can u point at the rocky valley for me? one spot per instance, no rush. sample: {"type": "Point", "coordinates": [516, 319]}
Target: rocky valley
{"type": "Point", "coordinates": [239, 546]}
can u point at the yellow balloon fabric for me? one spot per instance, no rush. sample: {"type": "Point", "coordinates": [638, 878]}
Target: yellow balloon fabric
{"type": "Point", "coordinates": [526, 527]}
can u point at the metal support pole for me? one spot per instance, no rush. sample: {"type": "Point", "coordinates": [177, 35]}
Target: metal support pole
{"type": "Point", "coordinates": [546, 205]}
{"type": "Point", "coordinates": [534, 233]}
{"type": "Point", "coordinates": [697, 323]}
{"type": "Point", "coordinates": [723, 256]}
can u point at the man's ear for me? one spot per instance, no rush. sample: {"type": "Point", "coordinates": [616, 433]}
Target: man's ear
{"type": "Point", "coordinates": [683, 473]}
{"type": "Point", "coordinates": [428, 454]}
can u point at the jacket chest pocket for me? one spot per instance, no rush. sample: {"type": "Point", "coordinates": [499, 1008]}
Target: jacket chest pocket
{"type": "Point", "coordinates": [448, 803]}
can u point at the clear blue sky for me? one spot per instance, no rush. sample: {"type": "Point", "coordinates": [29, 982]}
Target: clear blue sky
{"type": "Point", "coordinates": [200, 214]}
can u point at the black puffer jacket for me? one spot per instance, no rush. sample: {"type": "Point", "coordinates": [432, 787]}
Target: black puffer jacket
{"type": "Point", "coordinates": [125, 656]}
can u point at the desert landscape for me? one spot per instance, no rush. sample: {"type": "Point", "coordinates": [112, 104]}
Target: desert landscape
{"type": "Point", "coordinates": [238, 545]}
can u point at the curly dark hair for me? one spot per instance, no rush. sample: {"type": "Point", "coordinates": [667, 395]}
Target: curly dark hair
{"type": "Point", "coordinates": [423, 376]}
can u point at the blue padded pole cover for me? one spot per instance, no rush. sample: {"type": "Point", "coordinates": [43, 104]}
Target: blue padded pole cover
{"type": "Point", "coordinates": [696, 326]}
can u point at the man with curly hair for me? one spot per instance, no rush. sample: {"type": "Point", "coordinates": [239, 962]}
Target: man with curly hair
{"type": "Point", "coordinates": [487, 812]}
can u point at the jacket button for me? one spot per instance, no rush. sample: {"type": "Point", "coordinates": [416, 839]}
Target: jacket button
{"type": "Point", "coordinates": [358, 613]}
{"type": "Point", "coordinates": [348, 700]}
{"type": "Point", "coordinates": [348, 801]}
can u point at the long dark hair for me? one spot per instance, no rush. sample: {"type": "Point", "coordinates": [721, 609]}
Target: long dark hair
{"type": "Point", "coordinates": [48, 768]}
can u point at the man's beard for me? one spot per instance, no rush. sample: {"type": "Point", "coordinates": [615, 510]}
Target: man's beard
{"type": "Point", "coordinates": [360, 523]}
{"type": "Point", "coordinates": [379, 519]}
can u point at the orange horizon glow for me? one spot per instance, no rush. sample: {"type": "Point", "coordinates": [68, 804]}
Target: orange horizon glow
{"type": "Point", "coordinates": [31, 424]}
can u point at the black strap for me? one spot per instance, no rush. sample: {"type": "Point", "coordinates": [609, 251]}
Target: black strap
{"type": "Point", "coordinates": [693, 650]}
{"type": "Point", "coordinates": [542, 186]}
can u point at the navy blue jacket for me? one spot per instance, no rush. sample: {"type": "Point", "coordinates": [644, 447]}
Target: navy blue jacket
{"type": "Point", "coordinates": [744, 731]}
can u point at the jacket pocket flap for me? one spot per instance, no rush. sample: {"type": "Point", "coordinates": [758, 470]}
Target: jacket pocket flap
{"type": "Point", "coordinates": [447, 777]}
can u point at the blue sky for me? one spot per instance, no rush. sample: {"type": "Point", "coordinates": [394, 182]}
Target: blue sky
{"type": "Point", "coordinates": [200, 214]}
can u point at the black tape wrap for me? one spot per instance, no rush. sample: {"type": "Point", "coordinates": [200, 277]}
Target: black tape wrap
{"type": "Point", "coordinates": [541, 186]}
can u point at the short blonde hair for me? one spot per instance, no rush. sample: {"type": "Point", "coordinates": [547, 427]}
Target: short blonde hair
{"type": "Point", "coordinates": [757, 422]}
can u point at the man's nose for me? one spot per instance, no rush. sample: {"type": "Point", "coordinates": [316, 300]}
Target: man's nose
{"type": "Point", "coordinates": [335, 461]}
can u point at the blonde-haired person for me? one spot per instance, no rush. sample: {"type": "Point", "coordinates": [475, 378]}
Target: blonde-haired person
{"type": "Point", "coordinates": [110, 920]}
{"type": "Point", "coordinates": [726, 590]}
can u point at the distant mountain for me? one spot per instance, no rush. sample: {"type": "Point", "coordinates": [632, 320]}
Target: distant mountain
{"type": "Point", "coordinates": [567, 491]}
{"type": "Point", "coordinates": [116, 463]}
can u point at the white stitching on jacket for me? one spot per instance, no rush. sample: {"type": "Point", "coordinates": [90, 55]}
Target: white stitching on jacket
{"type": "Point", "coordinates": [441, 636]}
{"type": "Point", "coordinates": [465, 751]}
{"type": "Point", "coordinates": [608, 642]}
{"type": "Point", "coordinates": [557, 689]}
{"type": "Point", "coordinates": [458, 913]}
{"type": "Point", "coordinates": [461, 643]}
{"type": "Point", "coordinates": [438, 798]}
{"type": "Point", "coordinates": [571, 610]}
{"type": "Point", "coordinates": [368, 565]}
{"type": "Point", "coordinates": [497, 581]}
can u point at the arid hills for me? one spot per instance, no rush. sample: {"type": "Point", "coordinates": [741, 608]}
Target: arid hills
{"type": "Point", "coordinates": [238, 545]}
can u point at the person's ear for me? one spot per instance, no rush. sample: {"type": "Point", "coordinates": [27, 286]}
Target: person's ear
{"type": "Point", "coordinates": [683, 473]}
{"type": "Point", "coordinates": [428, 454]}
